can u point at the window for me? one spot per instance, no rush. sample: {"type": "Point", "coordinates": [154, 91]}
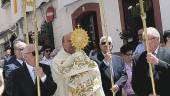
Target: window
{"type": "Point", "coordinates": [5, 3]}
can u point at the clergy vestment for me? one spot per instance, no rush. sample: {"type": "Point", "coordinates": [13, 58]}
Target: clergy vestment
{"type": "Point", "coordinates": [76, 75]}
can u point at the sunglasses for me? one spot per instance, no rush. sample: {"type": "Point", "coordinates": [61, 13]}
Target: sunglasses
{"type": "Point", "coordinates": [47, 50]}
{"type": "Point", "coordinates": [104, 43]}
{"type": "Point", "coordinates": [129, 54]}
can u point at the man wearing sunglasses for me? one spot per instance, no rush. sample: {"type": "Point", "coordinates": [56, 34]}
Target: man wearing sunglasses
{"type": "Point", "coordinates": [46, 55]}
{"type": "Point", "coordinates": [105, 59]}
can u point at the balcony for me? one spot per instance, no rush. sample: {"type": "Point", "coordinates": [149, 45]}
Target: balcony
{"type": "Point", "coordinates": [5, 3]}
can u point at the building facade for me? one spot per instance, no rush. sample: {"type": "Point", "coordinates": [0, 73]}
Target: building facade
{"type": "Point", "coordinates": [121, 16]}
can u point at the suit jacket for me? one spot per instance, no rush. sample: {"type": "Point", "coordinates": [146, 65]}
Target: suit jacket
{"type": "Point", "coordinates": [9, 66]}
{"type": "Point", "coordinates": [119, 74]}
{"type": "Point", "coordinates": [23, 85]}
{"type": "Point", "coordinates": [141, 81]}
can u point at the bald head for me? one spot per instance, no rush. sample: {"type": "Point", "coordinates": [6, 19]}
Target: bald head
{"type": "Point", "coordinates": [66, 36]}
{"type": "Point", "coordinates": [66, 42]}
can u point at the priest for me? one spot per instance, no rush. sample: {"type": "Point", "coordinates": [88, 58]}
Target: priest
{"type": "Point", "coordinates": [74, 72]}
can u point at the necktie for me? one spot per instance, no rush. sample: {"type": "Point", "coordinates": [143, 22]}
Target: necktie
{"type": "Point", "coordinates": [33, 75]}
{"type": "Point", "coordinates": [107, 70]}
{"type": "Point", "coordinates": [155, 69]}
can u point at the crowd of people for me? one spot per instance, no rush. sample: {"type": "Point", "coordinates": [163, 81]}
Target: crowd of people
{"type": "Point", "coordinates": [73, 73]}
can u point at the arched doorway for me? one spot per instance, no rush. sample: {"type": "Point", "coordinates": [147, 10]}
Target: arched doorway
{"type": "Point", "coordinates": [88, 17]}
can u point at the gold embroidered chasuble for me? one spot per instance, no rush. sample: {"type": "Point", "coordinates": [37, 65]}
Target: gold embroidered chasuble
{"type": "Point", "coordinates": [76, 75]}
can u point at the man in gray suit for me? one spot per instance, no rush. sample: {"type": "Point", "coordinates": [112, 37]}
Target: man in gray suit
{"type": "Point", "coordinates": [104, 58]}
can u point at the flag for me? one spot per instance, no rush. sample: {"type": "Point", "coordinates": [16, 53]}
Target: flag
{"type": "Point", "coordinates": [16, 10]}
{"type": "Point", "coordinates": [15, 6]}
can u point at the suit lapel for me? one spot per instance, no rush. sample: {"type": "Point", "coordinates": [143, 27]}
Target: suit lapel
{"type": "Point", "coordinates": [17, 63]}
{"type": "Point", "coordinates": [100, 56]}
{"type": "Point", "coordinates": [158, 53]}
{"type": "Point", "coordinates": [28, 76]}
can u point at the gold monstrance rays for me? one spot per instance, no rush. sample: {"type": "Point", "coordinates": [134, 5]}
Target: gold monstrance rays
{"type": "Point", "coordinates": [79, 38]}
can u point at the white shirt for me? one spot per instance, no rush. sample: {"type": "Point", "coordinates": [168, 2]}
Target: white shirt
{"type": "Point", "coordinates": [33, 74]}
{"type": "Point", "coordinates": [20, 61]}
{"type": "Point", "coordinates": [106, 63]}
{"type": "Point", "coordinates": [156, 51]}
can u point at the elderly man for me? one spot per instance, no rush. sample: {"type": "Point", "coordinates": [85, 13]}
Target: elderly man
{"type": "Point", "coordinates": [160, 59]}
{"type": "Point", "coordinates": [104, 59]}
{"type": "Point", "coordinates": [24, 78]}
{"type": "Point", "coordinates": [75, 73]}
{"type": "Point", "coordinates": [14, 63]}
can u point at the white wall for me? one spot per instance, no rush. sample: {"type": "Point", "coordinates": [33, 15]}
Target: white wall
{"type": "Point", "coordinates": [63, 21]}
{"type": "Point", "coordinates": [113, 23]}
{"type": "Point", "coordinates": [62, 24]}
{"type": "Point", "coordinates": [165, 14]}
{"type": "Point", "coordinates": [5, 20]}
{"type": "Point", "coordinates": [8, 18]}
{"type": "Point", "coordinates": [30, 21]}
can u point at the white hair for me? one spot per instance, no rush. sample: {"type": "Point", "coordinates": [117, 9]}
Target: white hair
{"type": "Point", "coordinates": [104, 38]}
{"type": "Point", "coordinates": [153, 31]}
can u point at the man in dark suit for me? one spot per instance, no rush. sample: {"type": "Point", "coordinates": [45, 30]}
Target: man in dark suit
{"type": "Point", "coordinates": [14, 63]}
{"type": "Point", "coordinates": [104, 58]}
{"type": "Point", "coordinates": [160, 60]}
{"type": "Point", "coordinates": [24, 78]}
